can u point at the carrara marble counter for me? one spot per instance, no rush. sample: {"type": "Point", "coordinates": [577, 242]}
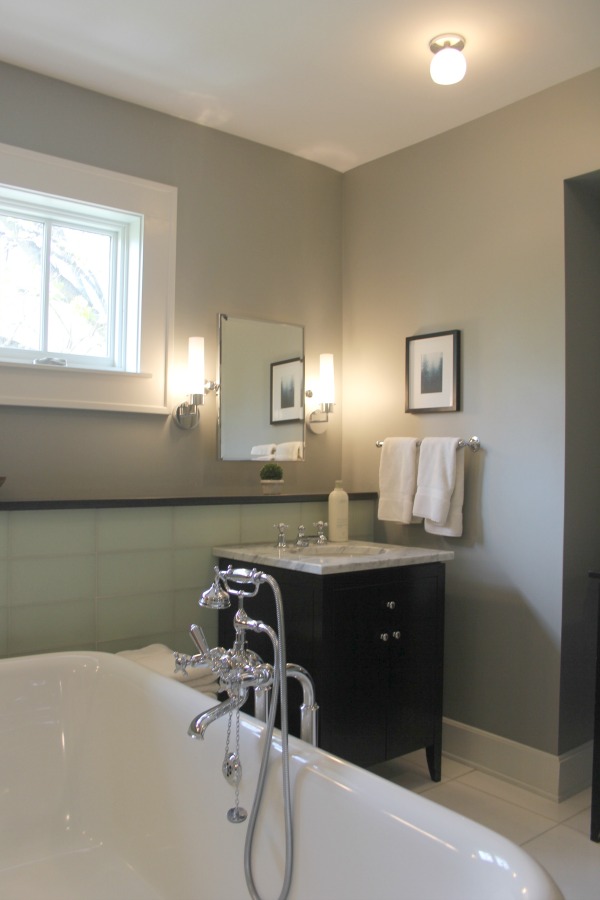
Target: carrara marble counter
{"type": "Point", "coordinates": [332, 558]}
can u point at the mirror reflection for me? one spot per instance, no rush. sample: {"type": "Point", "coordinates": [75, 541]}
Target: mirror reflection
{"type": "Point", "coordinates": [261, 396]}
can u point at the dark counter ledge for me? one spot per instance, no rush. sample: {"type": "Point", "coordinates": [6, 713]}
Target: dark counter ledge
{"type": "Point", "coordinates": [127, 503]}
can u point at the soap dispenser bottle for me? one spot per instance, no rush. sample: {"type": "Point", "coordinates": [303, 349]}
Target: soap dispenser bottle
{"type": "Point", "coordinates": [338, 514]}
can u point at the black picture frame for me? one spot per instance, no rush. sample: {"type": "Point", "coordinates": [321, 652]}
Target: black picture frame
{"type": "Point", "coordinates": [432, 382]}
{"type": "Point", "coordinates": [287, 391]}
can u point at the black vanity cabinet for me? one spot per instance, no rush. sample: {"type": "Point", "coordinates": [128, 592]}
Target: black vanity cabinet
{"type": "Point", "coordinates": [373, 642]}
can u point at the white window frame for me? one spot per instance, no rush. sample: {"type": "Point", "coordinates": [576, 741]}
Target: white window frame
{"type": "Point", "coordinates": [142, 386]}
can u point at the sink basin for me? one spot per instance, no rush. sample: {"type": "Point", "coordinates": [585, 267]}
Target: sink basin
{"type": "Point", "coordinates": [347, 549]}
{"type": "Point", "coordinates": [325, 559]}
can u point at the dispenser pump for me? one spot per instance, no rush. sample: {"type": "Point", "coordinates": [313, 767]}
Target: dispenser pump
{"type": "Point", "coordinates": [338, 514]}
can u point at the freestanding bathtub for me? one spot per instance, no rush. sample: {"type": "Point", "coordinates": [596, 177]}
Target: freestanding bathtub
{"type": "Point", "coordinates": [105, 797]}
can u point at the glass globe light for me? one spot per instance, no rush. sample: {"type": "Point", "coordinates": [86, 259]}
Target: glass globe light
{"type": "Point", "coordinates": [448, 65]}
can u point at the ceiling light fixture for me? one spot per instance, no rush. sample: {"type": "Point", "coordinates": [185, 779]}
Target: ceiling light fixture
{"type": "Point", "coordinates": [448, 65]}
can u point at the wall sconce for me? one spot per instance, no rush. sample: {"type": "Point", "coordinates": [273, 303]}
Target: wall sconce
{"type": "Point", "coordinates": [448, 65]}
{"type": "Point", "coordinates": [187, 414]}
{"type": "Point", "coordinates": [318, 419]}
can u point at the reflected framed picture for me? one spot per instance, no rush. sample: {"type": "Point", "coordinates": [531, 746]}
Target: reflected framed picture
{"type": "Point", "coordinates": [287, 391]}
{"type": "Point", "coordinates": [433, 373]}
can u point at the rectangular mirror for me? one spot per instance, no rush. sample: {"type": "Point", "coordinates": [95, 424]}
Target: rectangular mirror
{"type": "Point", "coordinates": [261, 396]}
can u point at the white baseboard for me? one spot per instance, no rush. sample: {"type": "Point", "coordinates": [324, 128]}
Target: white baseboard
{"type": "Point", "coordinates": [555, 777]}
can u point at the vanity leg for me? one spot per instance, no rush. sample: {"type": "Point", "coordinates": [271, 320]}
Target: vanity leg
{"type": "Point", "coordinates": [434, 760]}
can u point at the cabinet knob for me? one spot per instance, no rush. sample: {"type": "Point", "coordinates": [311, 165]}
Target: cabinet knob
{"type": "Point", "coordinates": [396, 635]}
{"type": "Point", "coordinates": [385, 636]}
{"type": "Point", "coordinates": [391, 604]}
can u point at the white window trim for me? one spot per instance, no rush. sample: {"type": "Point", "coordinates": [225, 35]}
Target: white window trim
{"type": "Point", "coordinates": [75, 388]}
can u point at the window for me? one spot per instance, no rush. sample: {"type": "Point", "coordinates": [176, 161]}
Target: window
{"type": "Point", "coordinates": [86, 285]}
{"type": "Point", "coordinates": [69, 282]}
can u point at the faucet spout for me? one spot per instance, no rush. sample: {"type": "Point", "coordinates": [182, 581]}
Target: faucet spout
{"type": "Point", "coordinates": [199, 725]}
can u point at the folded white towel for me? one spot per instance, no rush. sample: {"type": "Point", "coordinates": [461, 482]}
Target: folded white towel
{"type": "Point", "coordinates": [160, 658]}
{"type": "Point", "coordinates": [289, 450]}
{"type": "Point", "coordinates": [397, 480]}
{"type": "Point", "coordinates": [453, 526]}
{"type": "Point", "coordinates": [436, 477]}
{"type": "Point", "coordinates": [263, 451]}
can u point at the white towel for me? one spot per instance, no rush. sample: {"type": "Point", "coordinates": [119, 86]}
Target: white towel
{"type": "Point", "coordinates": [159, 658]}
{"type": "Point", "coordinates": [436, 478]}
{"type": "Point", "coordinates": [453, 526]}
{"type": "Point", "coordinates": [263, 451]}
{"type": "Point", "coordinates": [397, 480]}
{"type": "Point", "coordinates": [289, 450]}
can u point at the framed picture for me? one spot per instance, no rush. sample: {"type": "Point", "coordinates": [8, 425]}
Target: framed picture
{"type": "Point", "coordinates": [287, 391]}
{"type": "Point", "coordinates": [433, 372]}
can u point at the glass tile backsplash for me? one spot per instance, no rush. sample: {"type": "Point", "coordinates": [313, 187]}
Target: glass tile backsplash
{"type": "Point", "coordinates": [116, 579]}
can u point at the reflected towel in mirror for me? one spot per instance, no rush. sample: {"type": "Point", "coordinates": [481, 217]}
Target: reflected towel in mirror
{"type": "Point", "coordinates": [263, 451]}
{"type": "Point", "coordinates": [289, 450]}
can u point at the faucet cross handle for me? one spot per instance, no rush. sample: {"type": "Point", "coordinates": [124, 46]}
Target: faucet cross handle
{"type": "Point", "coordinates": [301, 540]}
{"type": "Point", "coordinates": [281, 530]}
{"type": "Point", "coordinates": [320, 526]}
{"type": "Point", "coordinates": [181, 661]}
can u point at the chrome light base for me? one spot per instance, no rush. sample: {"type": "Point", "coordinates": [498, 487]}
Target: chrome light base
{"type": "Point", "coordinates": [187, 414]}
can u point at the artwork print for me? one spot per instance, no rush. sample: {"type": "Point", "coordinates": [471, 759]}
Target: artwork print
{"type": "Point", "coordinates": [287, 391]}
{"type": "Point", "coordinates": [433, 372]}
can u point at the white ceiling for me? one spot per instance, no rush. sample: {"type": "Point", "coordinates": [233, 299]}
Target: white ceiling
{"type": "Point", "coordinates": [340, 82]}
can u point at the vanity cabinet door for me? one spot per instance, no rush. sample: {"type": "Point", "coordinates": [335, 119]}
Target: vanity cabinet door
{"type": "Point", "coordinates": [416, 667]}
{"type": "Point", "coordinates": [355, 674]}
{"type": "Point", "coordinates": [382, 677]}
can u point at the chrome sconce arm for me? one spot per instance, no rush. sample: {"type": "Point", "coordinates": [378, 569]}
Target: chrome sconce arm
{"type": "Point", "coordinates": [187, 414]}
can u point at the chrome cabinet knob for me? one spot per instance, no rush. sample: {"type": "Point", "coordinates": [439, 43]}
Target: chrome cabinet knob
{"type": "Point", "coordinates": [385, 636]}
{"type": "Point", "coordinates": [391, 604]}
{"type": "Point", "coordinates": [396, 635]}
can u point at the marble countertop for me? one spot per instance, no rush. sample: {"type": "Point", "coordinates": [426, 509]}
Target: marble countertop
{"type": "Point", "coordinates": [332, 558]}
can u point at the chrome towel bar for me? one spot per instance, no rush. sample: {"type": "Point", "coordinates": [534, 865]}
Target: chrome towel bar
{"type": "Point", "coordinates": [472, 443]}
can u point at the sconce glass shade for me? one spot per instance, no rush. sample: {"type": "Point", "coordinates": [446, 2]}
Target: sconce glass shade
{"type": "Point", "coordinates": [448, 65]}
{"type": "Point", "coordinates": [195, 369]}
{"type": "Point", "coordinates": [327, 381]}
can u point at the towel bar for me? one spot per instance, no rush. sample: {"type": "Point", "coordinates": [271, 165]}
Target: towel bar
{"type": "Point", "coordinates": [472, 443]}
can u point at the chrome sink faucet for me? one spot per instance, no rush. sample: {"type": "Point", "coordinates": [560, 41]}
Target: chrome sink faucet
{"type": "Point", "coordinates": [281, 530]}
{"type": "Point", "coordinates": [303, 540]}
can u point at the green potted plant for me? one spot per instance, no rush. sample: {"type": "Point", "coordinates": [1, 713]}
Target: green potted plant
{"type": "Point", "coordinates": [271, 478]}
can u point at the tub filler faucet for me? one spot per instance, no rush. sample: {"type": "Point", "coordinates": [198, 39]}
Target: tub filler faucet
{"type": "Point", "coordinates": [240, 670]}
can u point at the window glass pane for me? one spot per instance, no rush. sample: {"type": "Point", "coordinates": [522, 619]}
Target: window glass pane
{"type": "Point", "coordinates": [78, 313]}
{"type": "Point", "coordinates": [21, 243]}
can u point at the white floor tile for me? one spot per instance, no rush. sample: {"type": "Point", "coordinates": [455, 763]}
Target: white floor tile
{"type": "Point", "coordinates": [411, 771]}
{"type": "Point", "coordinates": [581, 822]}
{"type": "Point", "coordinates": [558, 812]}
{"type": "Point", "coordinates": [571, 859]}
{"type": "Point", "coordinates": [514, 822]}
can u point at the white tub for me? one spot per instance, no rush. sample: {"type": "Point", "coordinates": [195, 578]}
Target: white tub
{"type": "Point", "coordinates": [105, 797]}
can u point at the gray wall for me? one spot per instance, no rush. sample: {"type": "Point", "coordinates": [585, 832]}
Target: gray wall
{"type": "Point", "coordinates": [259, 234]}
{"type": "Point", "coordinates": [466, 231]}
